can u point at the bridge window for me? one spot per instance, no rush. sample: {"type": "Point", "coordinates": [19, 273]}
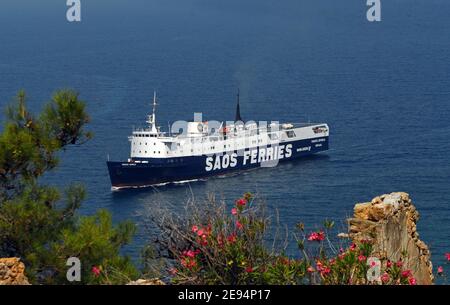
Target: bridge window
{"type": "Point", "coordinates": [290, 133]}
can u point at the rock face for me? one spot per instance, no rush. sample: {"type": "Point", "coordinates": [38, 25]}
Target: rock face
{"type": "Point", "coordinates": [12, 272]}
{"type": "Point", "coordinates": [390, 222]}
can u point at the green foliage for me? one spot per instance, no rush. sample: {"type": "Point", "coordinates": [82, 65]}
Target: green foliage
{"type": "Point", "coordinates": [38, 223]}
{"type": "Point", "coordinates": [97, 242]}
{"type": "Point", "coordinates": [28, 145]}
{"type": "Point", "coordinates": [65, 117]}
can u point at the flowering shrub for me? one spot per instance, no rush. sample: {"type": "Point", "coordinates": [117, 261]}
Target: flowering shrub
{"type": "Point", "coordinates": [229, 249]}
{"type": "Point", "coordinates": [440, 269]}
{"type": "Point", "coordinates": [229, 246]}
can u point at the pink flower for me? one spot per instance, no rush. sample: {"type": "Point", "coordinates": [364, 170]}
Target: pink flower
{"type": "Point", "coordinates": [352, 246]}
{"type": "Point", "coordinates": [312, 236]}
{"type": "Point", "coordinates": [385, 278]}
{"type": "Point", "coordinates": [388, 264]}
{"type": "Point", "coordinates": [234, 211]}
{"type": "Point", "coordinates": [241, 202]}
{"type": "Point", "coordinates": [406, 273]}
{"type": "Point", "coordinates": [96, 271]}
{"type": "Point", "coordinates": [399, 264]}
{"type": "Point", "coordinates": [194, 228]}
{"type": "Point", "coordinates": [321, 235]}
{"type": "Point", "coordinates": [447, 255]}
{"type": "Point", "coordinates": [326, 271]}
{"type": "Point", "coordinates": [200, 232]}
{"type": "Point", "coordinates": [239, 225]}
{"type": "Point", "coordinates": [440, 270]}
{"type": "Point", "coordinates": [188, 263]}
{"type": "Point", "coordinates": [190, 253]}
{"type": "Point", "coordinates": [249, 269]}
{"type": "Point", "coordinates": [310, 269]}
{"type": "Point", "coordinates": [362, 258]}
{"type": "Point", "coordinates": [232, 238]}
{"type": "Point", "coordinates": [412, 281]}
{"type": "Point", "coordinates": [316, 236]}
{"type": "Point", "coordinates": [173, 271]}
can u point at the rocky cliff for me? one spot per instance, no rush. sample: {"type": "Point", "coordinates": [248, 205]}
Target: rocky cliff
{"type": "Point", "coordinates": [12, 272]}
{"type": "Point", "coordinates": [390, 222]}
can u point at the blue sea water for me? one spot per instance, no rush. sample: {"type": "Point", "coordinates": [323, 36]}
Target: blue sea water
{"type": "Point", "coordinates": [384, 89]}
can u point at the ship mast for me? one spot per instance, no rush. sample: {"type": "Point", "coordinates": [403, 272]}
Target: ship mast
{"type": "Point", "coordinates": [152, 118]}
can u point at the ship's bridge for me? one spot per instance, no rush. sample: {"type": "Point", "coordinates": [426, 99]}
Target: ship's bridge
{"type": "Point", "coordinates": [143, 134]}
{"type": "Point", "coordinates": [146, 143]}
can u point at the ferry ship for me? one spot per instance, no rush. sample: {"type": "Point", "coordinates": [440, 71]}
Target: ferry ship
{"type": "Point", "coordinates": [203, 149]}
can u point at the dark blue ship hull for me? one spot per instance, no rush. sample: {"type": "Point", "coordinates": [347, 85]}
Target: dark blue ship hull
{"type": "Point", "coordinates": [140, 172]}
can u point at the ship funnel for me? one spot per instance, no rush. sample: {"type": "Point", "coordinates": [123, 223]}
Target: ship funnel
{"type": "Point", "coordinates": [238, 110]}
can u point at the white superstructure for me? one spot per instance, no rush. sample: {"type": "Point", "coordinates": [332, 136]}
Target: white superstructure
{"type": "Point", "coordinates": [198, 138]}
